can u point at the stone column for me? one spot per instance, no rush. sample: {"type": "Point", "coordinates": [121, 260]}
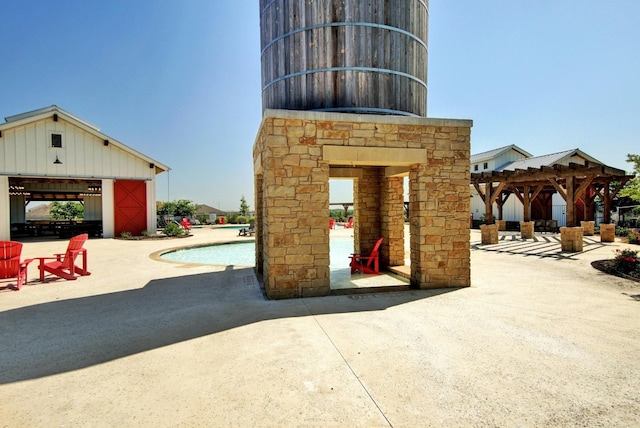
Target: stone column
{"type": "Point", "coordinates": [367, 197]}
{"type": "Point", "coordinates": [259, 204]}
{"type": "Point", "coordinates": [607, 232]}
{"type": "Point", "coordinates": [392, 219]}
{"type": "Point", "coordinates": [527, 229]}
{"type": "Point", "coordinates": [571, 239]}
{"type": "Point", "coordinates": [588, 228]}
{"type": "Point", "coordinates": [439, 211]}
{"type": "Point", "coordinates": [296, 205]}
{"type": "Point", "coordinates": [489, 233]}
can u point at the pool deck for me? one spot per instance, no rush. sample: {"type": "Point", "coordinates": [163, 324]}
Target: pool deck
{"type": "Point", "coordinates": [539, 339]}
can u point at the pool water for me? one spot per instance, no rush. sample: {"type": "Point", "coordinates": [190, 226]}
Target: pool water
{"type": "Point", "coordinates": [243, 254]}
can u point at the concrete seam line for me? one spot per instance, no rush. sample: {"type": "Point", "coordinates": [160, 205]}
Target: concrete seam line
{"type": "Point", "coordinates": [348, 365]}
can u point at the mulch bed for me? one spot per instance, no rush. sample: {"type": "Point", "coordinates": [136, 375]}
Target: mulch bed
{"type": "Point", "coordinates": [151, 238]}
{"type": "Point", "coordinates": [609, 266]}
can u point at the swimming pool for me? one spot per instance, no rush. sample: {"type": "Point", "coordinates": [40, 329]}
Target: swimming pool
{"type": "Point", "coordinates": [243, 253]}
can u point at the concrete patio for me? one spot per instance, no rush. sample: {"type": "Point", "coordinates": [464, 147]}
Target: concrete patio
{"type": "Point", "coordinates": [539, 339]}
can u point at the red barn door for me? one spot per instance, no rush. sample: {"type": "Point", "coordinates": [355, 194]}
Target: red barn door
{"type": "Point", "coordinates": [130, 206]}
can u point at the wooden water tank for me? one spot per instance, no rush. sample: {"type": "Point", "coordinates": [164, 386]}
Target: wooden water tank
{"type": "Point", "coordinates": [356, 56]}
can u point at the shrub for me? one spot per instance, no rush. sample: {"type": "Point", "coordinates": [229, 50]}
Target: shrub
{"type": "Point", "coordinates": [126, 235]}
{"type": "Point", "coordinates": [634, 237]}
{"type": "Point", "coordinates": [173, 229]}
{"type": "Point", "coordinates": [146, 233]}
{"type": "Point", "coordinates": [241, 219]}
{"type": "Point", "coordinates": [626, 260]}
{"type": "Point", "coordinates": [622, 231]}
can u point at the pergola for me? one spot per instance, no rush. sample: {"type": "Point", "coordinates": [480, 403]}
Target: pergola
{"type": "Point", "coordinates": [574, 182]}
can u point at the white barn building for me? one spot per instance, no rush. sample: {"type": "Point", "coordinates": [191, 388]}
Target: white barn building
{"type": "Point", "coordinates": [52, 155]}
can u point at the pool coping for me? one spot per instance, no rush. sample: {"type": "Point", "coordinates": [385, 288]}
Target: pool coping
{"type": "Point", "coordinates": [157, 255]}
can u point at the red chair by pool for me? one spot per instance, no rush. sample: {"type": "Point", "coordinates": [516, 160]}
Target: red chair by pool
{"type": "Point", "coordinates": [349, 224]}
{"type": "Point", "coordinates": [10, 265]}
{"type": "Point", "coordinates": [332, 223]}
{"type": "Point", "coordinates": [366, 264]}
{"type": "Point", "coordinates": [185, 223]}
{"type": "Point", "coordinates": [63, 264]}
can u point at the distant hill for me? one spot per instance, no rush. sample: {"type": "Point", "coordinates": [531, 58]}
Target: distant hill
{"type": "Point", "coordinates": [41, 212]}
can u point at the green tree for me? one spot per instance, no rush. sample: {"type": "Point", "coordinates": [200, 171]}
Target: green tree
{"type": "Point", "coordinates": [244, 208]}
{"type": "Point", "coordinates": [631, 190]}
{"type": "Point", "coordinates": [184, 208]}
{"type": "Point", "coordinates": [66, 210]}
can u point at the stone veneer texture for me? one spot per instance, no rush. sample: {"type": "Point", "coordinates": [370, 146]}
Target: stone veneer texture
{"type": "Point", "coordinates": [292, 197]}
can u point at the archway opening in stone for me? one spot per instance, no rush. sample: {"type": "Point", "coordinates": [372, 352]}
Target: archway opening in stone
{"type": "Point", "coordinates": [343, 207]}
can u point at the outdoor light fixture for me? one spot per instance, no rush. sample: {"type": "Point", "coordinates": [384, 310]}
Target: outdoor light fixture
{"type": "Point", "coordinates": [55, 117]}
{"type": "Point", "coordinates": [106, 142]}
{"type": "Point", "coordinates": [57, 161]}
{"type": "Point", "coordinates": [151, 165]}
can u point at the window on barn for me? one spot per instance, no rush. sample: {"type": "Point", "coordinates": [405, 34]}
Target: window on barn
{"type": "Point", "coordinates": [56, 140]}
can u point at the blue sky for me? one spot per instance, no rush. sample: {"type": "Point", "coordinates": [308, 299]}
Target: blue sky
{"type": "Point", "coordinates": [180, 80]}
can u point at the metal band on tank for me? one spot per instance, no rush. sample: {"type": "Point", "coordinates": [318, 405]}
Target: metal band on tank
{"type": "Point", "coordinates": [266, 6]}
{"type": "Point", "coordinates": [323, 70]}
{"type": "Point", "coordinates": [367, 110]}
{"type": "Point", "coordinates": [346, 24]}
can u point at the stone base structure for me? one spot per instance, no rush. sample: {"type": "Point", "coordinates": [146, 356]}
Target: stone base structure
{"type": "Point", "coordinates": [297, 152]}
{"type": "Point", "coordinates": [527, 229]}
{"type": "Point", "coordinates": [588, 228]}
{"type": "Point", "coordinates": [489, 234]}
{"type": "Point", "coordinates": [607, 232]}
{"type": "Point", "coordinates": [502, 225]}
{"type": "Point", "coordinates": [571, 239]}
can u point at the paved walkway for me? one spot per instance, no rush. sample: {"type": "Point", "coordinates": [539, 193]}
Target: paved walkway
{"type": "Point", "coordinates": [537, 340]}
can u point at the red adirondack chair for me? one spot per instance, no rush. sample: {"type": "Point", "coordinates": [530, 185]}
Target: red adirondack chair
{"type": "Point", "coordinates": [63, 264]}
{"type": "Point", "coordinates": [185, 223]}
{"type": "Point", "coordinates": [349, 224]}
{"type": "Point", "coordinates": [10, 265]}
{"type": "Point", "coordinates": [332, 223]}
{"type": "Point", "coordinates": [366, 264]}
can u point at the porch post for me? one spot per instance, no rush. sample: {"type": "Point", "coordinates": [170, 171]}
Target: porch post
{"type": "Point", "coordinates": [5, 210]}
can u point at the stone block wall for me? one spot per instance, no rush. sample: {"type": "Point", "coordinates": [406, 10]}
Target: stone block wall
{"type": "Point", "coordinates": [367, 201]}
{"type": "Point", "coordinates": [392, 249]}
{"type": "Point", "coordinates": [295, 204]}
{"type": "Point", "coordinates": [439, 209]}
{"type": "Point", "coordinates": [293, 156]}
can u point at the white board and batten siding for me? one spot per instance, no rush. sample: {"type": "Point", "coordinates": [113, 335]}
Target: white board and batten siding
{"type": "Point", "coordinates": [26, 150]}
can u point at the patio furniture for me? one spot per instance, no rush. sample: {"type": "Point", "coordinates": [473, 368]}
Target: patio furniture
{"type": "Point", "coordinates": [349, 223]}
{"type": "Point", "coordinates": [551, 226]}
{"type": "Point", "coordinates": [185, 223]}
{"type": "Point", "coordinates": [10, 265]}
{"type": "Point", "coordinates": [248, 231]}
{"type": "Point", "coordinates": [366, 264]}
{"type": "Point", "coordinates": [332, 223]}
{"type": "Point", "coordinates": [63, 265]}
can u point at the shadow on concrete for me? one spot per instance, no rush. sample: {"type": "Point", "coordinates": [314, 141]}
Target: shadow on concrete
{"type": "Point", "coordinates": [540, 246]}
{"type": "Point", "coordinates": [66, 335]}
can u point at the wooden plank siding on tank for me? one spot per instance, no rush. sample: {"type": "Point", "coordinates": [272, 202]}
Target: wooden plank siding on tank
{"type": "Point", "coordinates": [325, 56]}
